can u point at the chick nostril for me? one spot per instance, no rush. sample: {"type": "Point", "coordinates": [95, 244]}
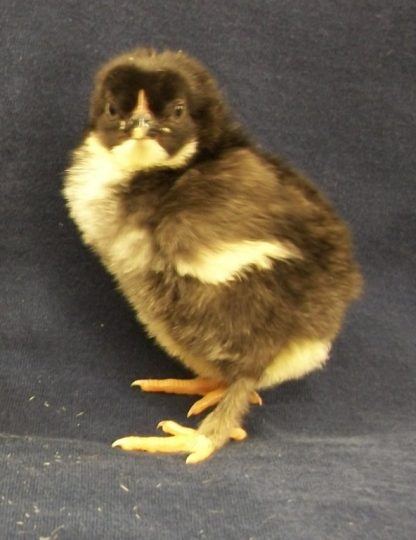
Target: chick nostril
{"type": "Point", "coordinates": [135, 122]}
{"type": "Point", "coordinates": [142, 122]}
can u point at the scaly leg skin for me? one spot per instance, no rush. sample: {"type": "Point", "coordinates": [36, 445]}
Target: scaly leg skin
{"type": "Point", "coordinates": [212, 391]}
{"type": "Point", "coordinates": [214, 432]}
{"type": "Point", "coordinates": [214, 397]}
{"type": "Point", "coordinates": [183, 439]}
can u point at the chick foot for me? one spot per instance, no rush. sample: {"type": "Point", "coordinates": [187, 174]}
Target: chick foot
{"type": "Point", "coordinates": [212, 391]}
{"type": "Point", "coordinates": [181, 440]}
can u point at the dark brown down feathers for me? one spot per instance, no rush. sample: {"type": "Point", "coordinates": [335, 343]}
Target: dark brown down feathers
{"type": "Point", "coordinates": [234, 262]}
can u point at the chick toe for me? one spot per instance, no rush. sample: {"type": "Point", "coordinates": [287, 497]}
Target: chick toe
{"type": "Point", "coordinates": [181, 439]}
{"type": "Point", "coordinates": [197, 386]}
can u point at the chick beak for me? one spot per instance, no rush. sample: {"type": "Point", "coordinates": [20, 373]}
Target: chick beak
{"type": "Point", "coordinates": [141, 117]}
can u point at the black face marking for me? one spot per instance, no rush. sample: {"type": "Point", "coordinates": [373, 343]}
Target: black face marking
{"type": "Point", "coordinates": [167, 96]}
{"type": "Point", "coordinates": [161, 87]}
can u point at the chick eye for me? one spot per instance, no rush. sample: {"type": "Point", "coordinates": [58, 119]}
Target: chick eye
{"type": "Point", "coordinates": [178, 110]}
{"type": "Point", "coordinates": [110, 110]}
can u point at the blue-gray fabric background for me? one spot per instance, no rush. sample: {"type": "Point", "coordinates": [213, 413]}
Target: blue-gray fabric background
{"type": "Point", "coordinates": [329, 84]}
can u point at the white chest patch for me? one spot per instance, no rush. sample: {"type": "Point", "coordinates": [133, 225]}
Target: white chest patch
{"type": "Point", "coordinates": [90, 194]}
{"type": "Point", "coordinates": [88, 190]}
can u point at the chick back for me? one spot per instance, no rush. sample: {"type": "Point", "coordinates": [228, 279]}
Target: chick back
{"type": "Point", "coordinates": [239, 324]}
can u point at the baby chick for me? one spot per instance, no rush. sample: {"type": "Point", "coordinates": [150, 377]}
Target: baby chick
{"type": "Point", "coordinates": [232, 261]}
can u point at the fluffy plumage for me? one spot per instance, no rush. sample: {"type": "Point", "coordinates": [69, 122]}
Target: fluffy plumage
{"type": "Point", "coordinates": [231, 260]}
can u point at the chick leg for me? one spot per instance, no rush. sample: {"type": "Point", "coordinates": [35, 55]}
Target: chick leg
{"type": "Point", "coordinates": [217, 428]}
{"type": "Point", "coordinates": [214, 397]}
{"type": "Point", "coordinates": [212, 391]}
{"type": "Point", "coordinates": [219, 424]}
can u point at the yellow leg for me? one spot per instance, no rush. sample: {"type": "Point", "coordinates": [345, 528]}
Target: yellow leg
{"type": "Point", "coordinates": [182, 439]}
{"type": "Point", "coordinates": [214, 397]}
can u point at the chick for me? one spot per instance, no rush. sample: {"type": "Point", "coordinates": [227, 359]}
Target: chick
{"type": "Point", "coordinates": [232, 261]}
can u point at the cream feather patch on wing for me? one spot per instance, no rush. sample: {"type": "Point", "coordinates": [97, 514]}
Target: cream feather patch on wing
{"type": "Point", "coordinates": [229, 261]}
